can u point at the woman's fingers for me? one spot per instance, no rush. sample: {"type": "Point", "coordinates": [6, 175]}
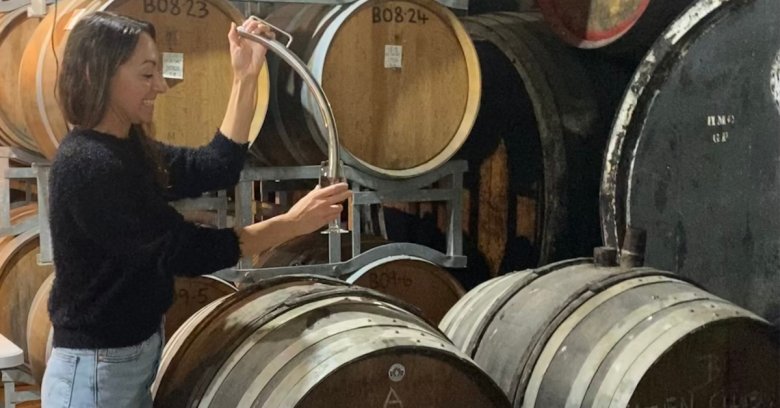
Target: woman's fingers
{"type": "Point", "coordinates": [337, 198]}
{"type": "Point", "coordinates": [233, 34]}
{"type": "Point", "coordinates": [333, 189]}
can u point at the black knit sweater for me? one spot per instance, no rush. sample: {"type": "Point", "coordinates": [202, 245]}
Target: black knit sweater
{"type": "Point", "coordinates": [118, 243]}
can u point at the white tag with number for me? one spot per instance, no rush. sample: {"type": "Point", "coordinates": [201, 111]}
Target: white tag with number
{"type": "Point", "coordinates": [393, 56]}
{"type": "Point", "coordinates": [173, 65]}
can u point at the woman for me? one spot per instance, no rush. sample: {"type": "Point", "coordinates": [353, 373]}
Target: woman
{"type": "Point", "coordinates": [117, 243]}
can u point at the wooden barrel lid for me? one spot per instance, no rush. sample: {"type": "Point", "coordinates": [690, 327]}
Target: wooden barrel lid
{"type": "Point", "coordinates": [191, 110]}
{"type": "Point", "coordinates": [420, 283]}
{"type": "Point", "coordinates": [410, 104]}
{"type": "Point", "coordinates": [16, 29]}
{"type": "Point", "coordinates": [20, 278]}
{"type": "Point", "coordinates": [592, 23]}
{"type": "Point", "coordinates": [707, 202]}
{"type": "Point", "coordinates": [258, 347]}
{"type": "Point", "coordinates": [402, 78]}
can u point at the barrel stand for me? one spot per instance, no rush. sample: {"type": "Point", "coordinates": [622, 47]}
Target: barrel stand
{"type": "Point", "coordinates": [366, 190]}
{"type": "Point", "coordinates": [11, 359]}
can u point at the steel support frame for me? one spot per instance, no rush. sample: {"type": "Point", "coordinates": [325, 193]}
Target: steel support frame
{"type": "Point", "coordinates": [366, 190]}
{"type": "Point", "coordinates": [11, 397]}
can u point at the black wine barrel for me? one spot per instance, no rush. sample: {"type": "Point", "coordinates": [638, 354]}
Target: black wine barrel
{"type": "Point", "coordinates": [693, 154]}
{"type": "Point", "coordinates": [536, 150]}
{"type": "Point", "coordinates": [574, 334]}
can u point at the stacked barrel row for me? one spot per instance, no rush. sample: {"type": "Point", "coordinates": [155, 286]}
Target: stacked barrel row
{"type": "Point", "coordinates": [402, 77]}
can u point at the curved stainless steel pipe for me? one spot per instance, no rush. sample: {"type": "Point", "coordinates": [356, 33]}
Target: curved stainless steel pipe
{"type": "Point", "coordinates": [334, 170]}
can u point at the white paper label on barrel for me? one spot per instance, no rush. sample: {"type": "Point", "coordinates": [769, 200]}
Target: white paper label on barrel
{"type": "Point", "coordinates": [74, 19]}
{"type": "Point", "coordinates": [173, 65]}
{"type": "Point", "coordinates": [393, 56]}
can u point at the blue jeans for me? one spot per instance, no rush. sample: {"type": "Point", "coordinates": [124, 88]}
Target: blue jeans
{"type": "Point", "coordinates": [102, 378]}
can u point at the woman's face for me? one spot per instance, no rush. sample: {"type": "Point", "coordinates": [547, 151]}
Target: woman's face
{"type": "Point", "coordinates": [137, 84]}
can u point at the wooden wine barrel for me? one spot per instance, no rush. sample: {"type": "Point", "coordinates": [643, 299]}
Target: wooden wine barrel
{"type": "Point", "coordinates": [574, 334]}
{"type": "Point", "coordinates": [192, 294]}
{"type": "Point", "coordinates": [592, 23]}
{"type": "Point", "coordinates": [15, 31]}
{"type": "Point", "coordinates": [536, 150]}
{"type": "Point", "coordinates": [401, 76]}
{"type": "Point", "coordinates": [20, 278]}
{"type": "Point", "coordinates": [39, 332]}
{"type": "Point", "coordinates": [694, 164]}
{"type": "Point", "coordinates": [416, 281]}
{"type": "Point", "coordinates": [304, 341]}
{"type": "Point", "coordinates": [193, 106]}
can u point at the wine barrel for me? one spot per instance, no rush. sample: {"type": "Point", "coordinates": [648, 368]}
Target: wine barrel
{"type": "Point", "coordinates": [401, 76]}
{"type": "Point", "coordinates": [192, 294]}
{"type": "Point", "coordinates": [20, 278]}
{"type": "Point", "coordinates": [601, 23]}
{"type": "Point", "coordinates": [15, 31]}
{"type": "Point", "coordinates": [194, 30]}
{"type": "Point", "coordinates": [39, 332]}
{"type": "Point", "coordinates": [592, 23]}
{"type": "Point", "coordinates": [576, 334]}
{"type": "Point", "coordinates": [536, 150]}
{"type": "Point", "coordinates": [694, 164]}
{"type": "Point", "coordinates": [304, 341]}
{"type": "Point", "coordinates": [416, 281]}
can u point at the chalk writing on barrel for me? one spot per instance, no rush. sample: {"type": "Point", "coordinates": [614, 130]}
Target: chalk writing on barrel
{"type": "Point", "coordinates": [384, 279]}
{"type": "Point", "coordinates": [190, 8]}
{"type": "Point", "coordinates": [411, 15]}
{"type": "Point", "coordinates": [200, 296]}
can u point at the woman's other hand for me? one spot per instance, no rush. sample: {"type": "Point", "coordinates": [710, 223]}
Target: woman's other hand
{"type": "Point", "coordinates": [248, 56]}
{"type": "Point", "coordinates": [309, 214]}
{"type": "Point", "coordinates": [317, 208]}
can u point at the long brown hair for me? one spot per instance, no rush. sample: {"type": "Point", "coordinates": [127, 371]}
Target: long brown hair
{"type": "Point", "coordinates": [97, 46]}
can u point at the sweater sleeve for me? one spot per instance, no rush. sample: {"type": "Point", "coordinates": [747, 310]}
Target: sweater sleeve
{"type": "Point", "coordinates": [139, 227]}
{"type": "Point", "coordinates": [194, 171]}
